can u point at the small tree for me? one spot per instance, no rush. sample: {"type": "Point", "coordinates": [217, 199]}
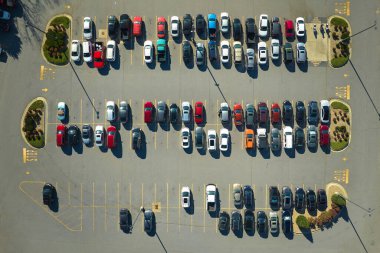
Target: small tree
{"type": "Point", "coordinates": [338, 200]}
{"type": "Point", "coordinates": [302, 222]}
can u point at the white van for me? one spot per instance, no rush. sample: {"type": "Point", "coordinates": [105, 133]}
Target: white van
{"type": "Point", "coordinates": [288, 137]}
{"type": "Point", "coordinates": [111, 50]}
{"type": "Point", "coordinates": [87, 51]}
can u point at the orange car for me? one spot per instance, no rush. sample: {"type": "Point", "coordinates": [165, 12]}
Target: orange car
{"type": "Point", "coordinates": [249, 139]}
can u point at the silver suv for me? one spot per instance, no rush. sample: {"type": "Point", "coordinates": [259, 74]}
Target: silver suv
{"type": "Point", "coordinates": [200, 54]}
{"type": "Point", "coordinates": [161, 111]}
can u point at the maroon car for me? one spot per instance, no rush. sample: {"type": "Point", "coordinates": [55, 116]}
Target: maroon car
{"type": "Point", "coordinates": [324, 136]}
{"type": "Point", "coordinates": [263, 112]}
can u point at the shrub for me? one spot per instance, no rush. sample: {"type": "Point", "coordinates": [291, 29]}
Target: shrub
{"type": "Point", "coordinates": [302, 222]}
{"type": "Point", "coordinates": [338, 200]}
{"type": "Point", "coordinates": [38, 104]}
{"type": "Point", "coordinates": [339, 61]}
{"type": "Point", "coordinates": [339, 22]}
{"type": "Point", "coordinates": [339, 105]}
{"type": "Point", "coordinates": [62, 20]}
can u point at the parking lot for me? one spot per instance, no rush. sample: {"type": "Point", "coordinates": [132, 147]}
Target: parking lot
{"type": "Point", "coordinates": [93, 184]}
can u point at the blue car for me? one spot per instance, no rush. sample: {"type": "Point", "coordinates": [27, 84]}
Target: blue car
{"type": "Point", "coordinates": [212, 26]}
{"type": "Point", "coordinates": [61, 111]}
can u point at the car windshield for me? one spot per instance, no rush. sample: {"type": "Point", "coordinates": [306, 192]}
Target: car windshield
{"type": "Point", "coordinates": [85, 134]}
{"type": "Point", "coordinates": [86, 54]}
{"type": "Point", "coordinates": [111, 133]}
{"type": "Point", "coordinates": [148, 109]}
{"type": "Point", "coordinates": [186, 108]}
{"type": "Point", "coordinates": [87, 30]}
{"type": "Point", "coordinates": [326, 113]}
{"type": "Point", "coordinates": [185, 194]}
{"type": "Point", "coordinates": [250, 136]}
{"type": "Point", "coordinates": [160, 32]}
{"type": "Point", "coordinates": [74, 53]}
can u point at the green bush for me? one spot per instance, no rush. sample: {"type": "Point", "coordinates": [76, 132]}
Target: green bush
{"type": "Point", "coordinates": [302, 222]}
{"type": "Point", "coordinates": [339, 62]}
{"type": "Point", "coordinates": [338, 146]}
{"type": "Point", "coordinates": [339, 22]}
{"type": "Point", "coordinates": [37, 143]}
{"type": "Point", "coordinates": [62, 20]}
{"type": "Point", "coordinates": [339, 105]}
{"type": "Point", "coordinates": [338, 200]}
{"type": "Point", "coordinates": [38, 104]}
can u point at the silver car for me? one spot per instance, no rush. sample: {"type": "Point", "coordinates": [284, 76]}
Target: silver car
{"type": "Point", "coordinates": [249, 115]}
{"type": "Point", "coordinates": [161, 111]}
{"type": "Point", "coordinates": [275, 139]}
{"type": "Point", "coordinates": [86, 134]}
{"type": "Point", "coordinates": [301, 52]}
{"type": "Point", "coordinates": [273, 222]}
{"type": "Point", "coordinates": [312, 137]}
{"type": "Point", "coordinates": [224, 112]}
{"type": "Point", "coordinates": [186, 112]}
{"type": "Point", "coordinates": [200, 54]}
{"type": "Point", "coordinates": [250, 58]}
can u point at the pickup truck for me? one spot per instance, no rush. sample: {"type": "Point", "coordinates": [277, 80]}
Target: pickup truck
{"type": "Point", "coordinates": [212, 26]}
{"type": "Point", "coordinates": [99, 55]}
{"type": "Point", "coordinates": [211, 197]}
{"type": "Point", "coordinates": [262, 140]}
{"type": "Point", "coordinates": [161, 50]}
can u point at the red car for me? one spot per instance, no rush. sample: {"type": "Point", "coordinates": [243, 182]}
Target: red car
{"type": "Point", "coordinates": [99, 55]}
{"type": "Point", "coordinates": [275, 113]}
{"type": "Point", "coordinates": [238, 114]}
{"type": "Point", "coordinates": [263, 112]}
{"type": "Point", "coordinates": [111, 137]}
{"type": "Point", "coordinates": [161, 25]}
{"type": "Point", "coordinates": [289, 29]}
{"type": "Point", "coordinates": [198, 115]}
{"type": "Point", "coordinates": [137, 24]}
{"type": "Point", "coordinates": [60, 137]}
{"type": "Point", "coordinates": [148, 112]}
{"type": "Point", "coordinates": [324, 136]}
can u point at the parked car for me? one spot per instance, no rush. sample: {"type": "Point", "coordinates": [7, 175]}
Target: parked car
{"type": "Point", "coordinates": [86, 134]}
{"type": "Point", "coordinates": [111, 137]}
{"type": "Point", "coordinates": [124, 220]}
{"type": "Point", "coordinates": [275, 114]}
{"type": "Point", "coordinates": [301, 52]}
{"type": "Point", "coordinates": [250, 58]}
{"type": "Point", "coordinates": [248, 196]}
{"type": "Point", "coordinates": [187, 24]}
{"type": "Point", "coordinates": [249, 115]}
{"type": "Point", "coordinates": [113, 26]}
{"type": "Point", "coordinates": [61, 135]}
{"type": "Point", "coordinates": [276, 28]}
{"type": "Point", "coordinates": [187, 52]}
{"type": "Point", "coordinates": [224, 222]}
{"type": "Point", "coordinates": [299, 198]}
{"type": "Point", "coordinates": [199, 138]}
{"type": "Point", "coordinates": [238, 114]}
{"type": "Point", "coordinates": [236, 222]}
{"type": "Point", "coordinates": [287, 223]}
{"type": "Point", "coordinates": [99, 136]}
{"type": "Point", "coordinates": [224, 23]}
{"type": "Point", "coordinates": [287, 113]}
{"type": "Point", "coordinates": [111, 50]}
{"type": "Point", "coordinates": [200, 54]}
{"type": "Point", "coordinates": [111, 111]}
{"type": "Point", "coordinates": [224, 113]}
{"type": "Point", "coordinates": [311, 201]}
{"type": "Point", "coordinates": [321, 199]}
{"type": "Point", "coordinates": [274, 197]}
{"type": "Point", "coordinates": [262, 48]}
{"type": "Point", "coordinates": [125, 27]}
{"type": "Point", "coordinates": [75, 50]}
{"type": "Point", "coordinates": [87, 51]}
{"type": "Point", "coordinates": [312, 137]}
{"type": "Point", "coordinates": [200, 24]}
{"type": "Point", "coordinates": [224, 138]}
{"type": "Point", "coordinates": [249, 138]}
{"type": "Point", "coordinates": [61, 111]}
{"type": "Point", "coordinates": [211, 140]}
{"type": "Point", "coordinates": [325, 112]}
{"type": "Point", "coordinates": [185, 197]}
{"type": "Point", "coordinates": [275, 139]}
{"type": "Point", "coordinates": [289, 29]}
{"type": "Point", "coordinates": [237, 193]}
{"type": "Point", "coordinates": [137, 26]}
{"type": "Point", "coordinates": [288, 53]}
{"type": "Point", "coordinates": [300, 27]}
{"type": "Point", "coordinates": [87, 28]}
{"type": "Point", "coordinates": [212, 51]}
{"type": "Point", "coordinates": [262, 222]}
{"type": "Point", "coordinates": [262, 113]}
{"type": "Point", "coordinates": [148, 51]}
{"type": "Point", "coordinates": [136, 138]}
{"type": "Point", "coordinates": [149, 221]}
{"type": "Point", "coordinates": [287, 198]}
{"type": "Point", "coordinates": [237, 29]}
{"type": "Point", "coordinates": [300, 113]}
{"type": "Point", "coordinates": [174, 113]}
{"type": "Point", "coordinates": [237, 52]}
{"type": "Point", "coordinates": [185, 136]}
{"type": "Point", "coordinates": [249, 220]}
{"type": "Point", "coordinates": [225, 51]}
{"type": "Point", "coordinates": [275, 49]}
{"type": "Point", "coordinates": [324, 136]}
{"type": "Point", "coordinates": [148, 112]}
{"type": "Point", "coordinates": [313, 116]}
{"type": "Point", "coordinates": [49, 194]}
{"type": "Point", "coordinates": [288, 137]}
{"type": "Point", "coordinates": [198, 115]}
{"type": "Point", "coordinates": [250, 31]}
{"type": "Point", "coordinates": [273, 222]}
{"type": "Point", "coordinates": [174, 21]}
{"type": "Point", "coordinates": [161, 27]}
{"type": "Point", "coordinates": [186, 112]}
{"type": "Point", "coordinates": [263, 26]}
{"type": "Point", "coordinates": [73, 135]}
{"type": "Point", "coordinates": [123, 112]}
{"type": "Point", "coordinates": [212, 27]}
{"type": "Point", "coordinates": [162, 112]}
{"type": "Point", "coordinates": [299, 138]}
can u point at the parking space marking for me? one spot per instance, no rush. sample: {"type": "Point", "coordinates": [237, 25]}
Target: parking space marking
{"type": "Point", "coordinates": [130, 196]}
{"type": "Point", "coordinates": [180, 55]}
{"type": "Point", "coordinates": [105, 113]}
{"type": "Point", "coordinates": [81, 108]}
{"type": "Point", "coordinates": [93, 114]}
{"type": "Point", "coordinates": [69, 192]}
{"type": "Point", "coordinates": [229, 197]}
{"type": "Point", "coordinates": [348, 92]}
{"type": "Point", "coordinates": [143, 56]}
{"type": "Point", "coordinates": [131, 51]}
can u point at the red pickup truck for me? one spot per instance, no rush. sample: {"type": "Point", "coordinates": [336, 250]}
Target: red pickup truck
{"type": "Point", "coordinates": [99, 55]}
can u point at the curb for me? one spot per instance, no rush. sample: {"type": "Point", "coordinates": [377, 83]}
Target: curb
{"type": "Point", "coordinates": [329, 43]}
{"type": "Point", "coordinates": [44, 38]}
{"type": "Point", "coordinates": [45, 117]}
{"type": "Point", "coordinates": [349, 107]}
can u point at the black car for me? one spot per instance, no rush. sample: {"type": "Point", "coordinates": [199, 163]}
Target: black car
{"type": "Point", "coordinates": [276, 28]}
{"type": "Point", "coordinates": [174, 113]}
{"type": "Point", "coordinates": [148, 221]}
{"type": "Point", "coordinates": [250, 30]}
{"type": "Point", "coordinates": [248, 196]}
{"type": "Point", "coordinates": [300, 113]}
{"type": "Point", "coordinates": [49, 194]}
{"type": "Point", "coordinates": [287, 113]}
{"type": "Point", "coordinates": [313, 113]}
{"type": "Point", "coordinates": [262, 222]}
{"type": "Point", "coordinates": [87, 134]}
{"type": "Point", "coordinates": [274, 197]}
{"type": "Point", "coordinates": [299, 138]}
{"type": "Point", "coordinates": [112, 26]}
{"type": "Point", "coordinates": [187, 24]}
{"type": "Point", "coordinates": [224, 222]}
{"type": "Point", "coordinates": [321, 199]}
{"type": "Point", "coordinates": [125, 27]}
{"type": "Point", "coordinates": [288, 53]}
{"type": "Point", "coordinates": [287, 223]}
{"type": "Point", "coordinates": [299, 198]}
{"type": "Point", "coordinates": [123, 112]}
{"type": "Point", "coordinates": [236, 222]}
{"type": "Point", "coordinates": [311, 201]}
{"type": "Point", "coordinates": [73, 135]}
{"type": "Point", "coordinates": [249, 220]}
{"type": "Point", "coordinates": [187, 52]}
{"type": "Point", "coordinates": [237, 30]}
{"type": "Point", "coordinates": [136, 138]}
{"type": "Point", "coordinates": [124, 220]}
{"type": "Point", "coordinates": [200, 24]}
{"type": "Point", "coordinates": [212, 51]}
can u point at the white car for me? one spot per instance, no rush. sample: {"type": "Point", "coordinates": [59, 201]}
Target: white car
{"type": "Point", "coordinates": [237, 52]}
{"type": "Point", "coordinates": [211, 140]}
{"type": "Point", "coordinates": [174, 26]}
{"type": "Point", "coordinates": [225, 51]}
{"type": "Point", "coordinates": [87, 51]}
{"type": "Point", "coordinates": [99, 136]}
{"type": "Point", "coordinates": [224, 113]}
{"type": "Point", "coordinates": [275, 49]}
{"type": "Point", "coordinates": [224, 135]}
{"type": "Point", "coordinates": [263, 25]}
{"type": "Point", "coordinates": [148, 51]}
{"type": "Point", "coordinates": [185, 136]}
{"type": "Point", "coordinates": [87, 28]}
{"type": "Point", "coordinates": [273, 222]}
{"type": "Point", "coordinates": [325, 111]}
{"type": "Point", "coordinates": [111, 50]}
{"type": "Point", "coordinates": [300, 27]}
{"type": "Point", "coordinates": [185, 197]}
{"type": "Point", "coordinates": [75, 50]}
{"type": "Point", "coordinates": [288, 137]}
{"type": "Point", "coordinates": [224, 22]}
{"type": "Point", "coordinates": [262, 48]}
{"type": "Point", "coordinates": [111, 115]}
{"type": "Point", "coordinates": [186, 113]}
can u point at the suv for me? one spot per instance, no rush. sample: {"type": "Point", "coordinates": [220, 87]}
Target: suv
{"type": "Point", "coordinates": [287, 113]}
{"type": "Point", "coordinates": [238, 195]}
{"type": "Point", "coordinates": [311, 200]}
{"type": "Point", "coordinates": [287, 223]}
{"type": "Point", "coordinates": [49, 194]}
{"type": "Point", "coordinates": [263, 113]}
{"type": "Point", "coordinates": [274, 197]}
{"type": "Point", "coordinates": [174, 113]}
{"type": "Point", "coordinates": [224, 222]}
{"type": "Point", "coordinates": [73, 135]}
{"type": "Point", "coordinates": [321, 199]}
{"type": "Point", "coordinates": [237, 52]}
{"type": "Point", "coordinates": [187, 51]}
{"type": "Point", "coordinates": [276, 28]}
{"type": "Point", "coordinates": [187, 24]}
{"type": "Point", "coordinates": [237, 29]}
{"type": "Point", "coordinates": [287, 198]}
{"type": "Point", "coordinates": [125, 27]}
{"type": "Point", "coordinates": [301, 52]}
{"type": "Point", "coordinates": [161, 111]}
{"type": "Point", "coordinates": [212, 51]}
{"type": "Point", "coordinates": [224, 112]}
{"type": "Point", "coordinates": [273, 222]}
{"type": "Point", "coordinates": [249, 115]}
{"type": "Point", "coordinates": [249, 220]}
{"type": "Point", "coordinates": [312, 115]}
{"type": "Point", "coordinates": [112, 26]}
{"type": "Point", "coordinates": [262, 222]}
{"type": "Point", "coordinates": [199, 138]}
{"type": "Point", "coordinates": [111, 111]}
{"type": "Point", "coordinates": [200, 24]}
{"type": "Point", "coordinates": [123, 112]}
{"type": "Point", "coordinates": [200, 54]}
{"type": "Point", "coordinates": [236, 222]}
{"type": "Point", "coordinates": [299, 138]}
{"type": "Point", "coordinates": [250, 30]}
{"type": "Point", "coordinates": [299, 198]}
{"type": "Point", "coordinates": [288, 53]}
{"type": "Point", "coordinates": [136, 138]}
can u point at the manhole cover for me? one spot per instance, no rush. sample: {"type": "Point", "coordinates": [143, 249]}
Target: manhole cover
{"type": "Point", "coordinates": [156, 207]}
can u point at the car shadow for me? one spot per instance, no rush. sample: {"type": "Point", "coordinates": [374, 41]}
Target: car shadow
{"type": "Point", "coordinates": [277, 153]}
{"type": "Point", "coordinates": [303, 66]}
{"type": "Point", "coordinates": [289, 236]}
{"type": "Point", "coordinates": [239, 233]}
{"type": "Point", "coordinates": [202, 151]}
{"type": "Point", "coordinates": [129, 44]}
{"type": "Point", "coordinates": [290, 66]}
{"type": "Point", "coordinates": [141, 153]}
{"type": "Point", "coordinates": [277, 233]}
{"type": "Point", "coordinates": [116, 63]}
{"type": "Point", "coordinates": [129, 124]}
{"type": "Point", "coordinates": [190, 210]}
{"type": "Point", "coordinates": [264, 67]}
{"type": "Point", "coordinates": [105, 70]}
{"type": "Point", "coordinates": [241, 67]}
{"type": "Point", "coordinates": [166, 65]}
{"type": "Point", "coordinates": [313, 150]}
{"type": "Point", "coordinates": [240, 128]}
{"type": "Point", "coordinates": [301, 150]}
{"type": "Point", "coordinates": [326, 149]}
{"type": "Point", "coordinates": [265, 153]}
{"type": "Point", "coordinates": [141, 39]}
{"type": "Point", "coordinates": [54, 206]}
{"type": "Point", "coordinates": [215, 214]}
{"type": "Point", "coordinates": [78, 148]}
{"type": "Point", "coordinates": [118, 150]}
{"type": "Point", "coordinates": [252, 151]}
{"type": "Point", "coordinates": [228, 64]}
{"type": "Point", "coordinates": [263, 235]}
{"type": "Point", "coordinates": [290, 152]}
{"type": "Point", "coordinates": [189, 150]}
{"type": "Point", "coordinates": [253, 73]}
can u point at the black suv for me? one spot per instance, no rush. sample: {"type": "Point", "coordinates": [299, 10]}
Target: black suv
{"type": "Point", "coordinates": [201, 24]}
{"type": "Point", "coordinates": [187, 24]}
{"type": "Point", "coordinates": [274, 197]}
{"type": "Point", "coordinates": [49, 194]}
{"type": "Point", "coordinates": [125, 27]}
{"type": "Point", "coordinates": [321, 199]}
{"type": "Point", "coordinates": [224, 222]}
{"type": "Point", "coordinates": [237, 29]}
{"type": "Point", "coordinates": [136, 138]}
{"type": "Point", "coordinates": [236, 222]}
{"type": "Point", "coordinates": [299, 137]}
{"type": "Point", "coordinates": [300, 113]}
{"type": "Point", "coordinates": [276, 28]}
{"type": "Point", "coordinates": [73, 135]}
{"type": "Point", "coordinates": [311, 201]}
{"type": "Point", "coordinates": [112, 26]}
{"type": "Point", "coordinates": [187, 51]}
{"type": "Point", "coordinates": [212, 51]}
{"type": "Point", "coordinates": [125, 220]}
{"type": "Point", "coordinates": [287, 113]}
{"type": "Point", "coordinates": [250, 30]}
{"type": "Point", "coordinates": [299, 198]}
{"type": "Point", "coordinates": [174, 113]}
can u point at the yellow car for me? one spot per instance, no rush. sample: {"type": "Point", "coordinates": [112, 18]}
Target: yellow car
{"type": "Point", "coordinates": [249, 139]}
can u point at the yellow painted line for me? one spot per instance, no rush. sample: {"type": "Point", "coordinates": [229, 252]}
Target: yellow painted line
{"type": "Point", "coordinates": [27, 172]}
{"type": "Point", "coordinates": [180, 55]}
{"type": "Point", "coordinates": [191, 216]}
{"type": "Point", "coordinates": [217, 118]}
{"type": "Point", "coordinates": [167, 207]}
{"type": "Point", "coordinates": [315, 188]}
{"type": "Point", "coordinates": [242, 140]}
{"type": "Point", "coordinates": [24, 155]}
{"type": "Point", "coordinates": [93, 206]}
{"type": "Point", "coordinates": [143, 56]}
{"type": "Point", "coordinates": [143, 102]}
{"type": "Point", "coordinates": [348, 92]}
{"type": "Point", "coordinates": [179, 208]}
{"type": "Point", "coordinates": [348, 11]}
{"type": "Point", "coordinates": [229, 196]}
{"type": "Point", "coordinates": [118, 203]}
{"type": "Point", "coordinates": [42, 68]}
{"type": "Point", "coordinates": [155, 193]}
{"type": "Point", "coordinates": [105, 206]}
{"type": "Point", "coordinates": [347, 175]}
{"type": "Point", "coordinates": [156, 26]}
{"type": "Point", "coordinates": [204, 208]}
{"type": "Point", "coordinates": [44, 89]}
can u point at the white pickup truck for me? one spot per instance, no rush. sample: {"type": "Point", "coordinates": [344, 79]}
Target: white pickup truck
{"type": "Point", "coordinates": [211, 197]}
{"type": "Point", "coordinates": [262, 140]}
